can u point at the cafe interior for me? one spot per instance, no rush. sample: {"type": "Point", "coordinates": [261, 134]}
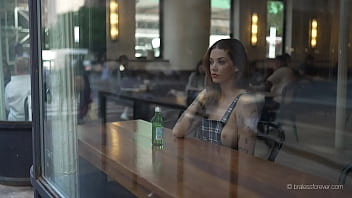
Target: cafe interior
{"type": "Point", "coordinates": [100, 68]}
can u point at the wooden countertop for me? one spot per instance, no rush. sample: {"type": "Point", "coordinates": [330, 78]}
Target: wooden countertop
{"type": "Point", "coordinates": [188, 167]}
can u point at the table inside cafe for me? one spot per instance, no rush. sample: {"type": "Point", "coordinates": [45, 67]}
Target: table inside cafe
{"type": "Point", "coordinates": [141, 102]}
{"type": "Point", "coordinates": [186, 167]}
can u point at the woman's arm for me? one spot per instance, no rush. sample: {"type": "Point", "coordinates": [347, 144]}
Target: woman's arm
{"type": "Point", "coordinates": [247, 117]}
{"type": "Point", "coordinates": [189, 119]}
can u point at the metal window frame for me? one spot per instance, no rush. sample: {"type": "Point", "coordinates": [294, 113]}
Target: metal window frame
{"type": "Point", "coordinates": [41, 188]}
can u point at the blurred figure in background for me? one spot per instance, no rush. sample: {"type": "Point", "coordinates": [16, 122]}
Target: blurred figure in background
{"type": "Point", "coordinates": [17, 90]}
{"type": "Point", "coordinates": [124, 81]}
{"type": "Point", "coordinates": [281, 77]}
{"type": "Point", "coordinates": [20, 52]}
{"type": "Point", "coordinates": [195, 83]}
{"type": "Point", "coordinates": [307, 69]}
{"type": "Point", "coordinates": [257, 77]}
{"type": "Point", "coordinates": [105, 71]}
{"type": "Point", "coordinates": [122, 72]}
{"type": "Point", "coordinates": [83, 90]}
{"type": "Point", "coordinates": [7, 72]}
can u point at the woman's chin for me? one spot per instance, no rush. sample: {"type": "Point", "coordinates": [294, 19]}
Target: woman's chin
{"type": "Point", "coordinates": [216, 81]}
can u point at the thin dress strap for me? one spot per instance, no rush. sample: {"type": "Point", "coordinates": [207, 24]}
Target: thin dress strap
{"type": "Point", "coordinates": [229, 110]}
{"type": "Point", "coordinates": [210, 130]}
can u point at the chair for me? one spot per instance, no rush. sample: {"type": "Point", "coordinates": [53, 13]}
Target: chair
{"type": "Point", "coordinates": [344, 173]}
{"type": "Point", "coordinates": [172, 116]}
{"type": "Point", "coordinates": [28, 108]}
{"type": "Point", "coordinates": [269, 109]}
{"type": "Point", "coordinates": [287, 108]}
{"type": "Point", "coordinates": [273, 136]}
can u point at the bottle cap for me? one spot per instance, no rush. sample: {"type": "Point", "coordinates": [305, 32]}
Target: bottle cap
{"type": "Point", "coordinates": [157, 109]}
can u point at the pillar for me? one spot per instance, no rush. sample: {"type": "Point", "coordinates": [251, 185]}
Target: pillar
{"type": "Point", "coordinates": [342, 137]}
{"type": "Point", "coordinates": [186, 31]}
{"type": "Point", "coordinates": [243, 9]}
{"type": "Point", "coordinates": [288, 27]}
{"type": "Point", "coordinates": [127, 24]}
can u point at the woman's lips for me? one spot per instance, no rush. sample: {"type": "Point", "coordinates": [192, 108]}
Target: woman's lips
{"type": "Point", "coordinates": [214, 75]}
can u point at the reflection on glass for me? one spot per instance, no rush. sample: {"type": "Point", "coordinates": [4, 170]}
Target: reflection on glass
{"type": "Point", "coordinates": [147, 29]}
{"type": "Point", "coordinates": [275, 28]}
{"type": "Point", "coordinates": [220, 20]}
{"type": "Point", "coordinates": [14, 44]}
{"type": "Point", "coordinates": [80, 60]}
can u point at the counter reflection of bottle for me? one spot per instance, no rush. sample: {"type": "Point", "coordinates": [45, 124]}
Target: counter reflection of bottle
{"type": "Point", "coordinates": [157, 159]}
{"type": "Point", "coordinates": [157, 128]}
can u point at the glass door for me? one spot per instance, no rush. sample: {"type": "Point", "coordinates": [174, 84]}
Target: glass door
{"type": "Point", "coordinates": [61, 62]}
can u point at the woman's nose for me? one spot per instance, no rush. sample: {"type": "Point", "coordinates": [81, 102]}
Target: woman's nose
{"type": "Point", "coordinates": [213, 67]}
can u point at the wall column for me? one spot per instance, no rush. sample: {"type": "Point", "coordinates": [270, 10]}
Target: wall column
{"type": "Point", "coordinates": [127, 24]}
{"type": "Point", "coordinates": [186, 31]}
{"type": "Point", "coordinates": [288, 27]}
{"type": "Point", "coordinates": [243, 9]}
{"type": "Point", "coordinates": [342, 137]}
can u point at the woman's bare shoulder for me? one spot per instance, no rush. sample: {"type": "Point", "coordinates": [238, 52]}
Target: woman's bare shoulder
{"type": "Point", "coordinates": [247, 105]}
{"type": "Point", "coordinates": [247, 99]}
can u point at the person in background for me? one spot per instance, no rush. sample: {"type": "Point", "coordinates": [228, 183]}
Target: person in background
{"type": "Point", "coordinates": [83, 89]}
{"type": "Point", "coordinates": [105, 71]}
{"type": "Point", "coordinates": [20, 52]}
{"type": "Point", "coordinates": [17, 90]}
{"type": "Point", "coordinates": [223, 113]}
{"type": "Point", "coordinates": [122, 72]}
{"type": "Point", "coordinates": [7, 72]}
{"type": "Point", "coordinates": [124, 81]}
{"type": "Point", "coordinates": [257, 78]}
{"type": "Point", "coordinates": [195, 83]}
{"type": "Point", "coordinates": [307, 70]}
{"type": "Point", "coordinates": [281, 77]}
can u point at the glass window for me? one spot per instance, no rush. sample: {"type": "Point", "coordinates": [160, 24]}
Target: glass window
{"type": "Point", "coordinates": [220, 20]}
{"type": "Point", "coordinates": [15, 90]}
{"type": "Point", "coordinates": [99, 98]}
{"type": "Point", "coordinates": [275, 28]}
{"type": "Point", "coordinates": [73, 36]}
{"type": "Point", "coordinates": [147, 28]}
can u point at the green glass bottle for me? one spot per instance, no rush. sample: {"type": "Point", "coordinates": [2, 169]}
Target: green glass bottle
{"type": "Point", "coordinates": [157, 128]}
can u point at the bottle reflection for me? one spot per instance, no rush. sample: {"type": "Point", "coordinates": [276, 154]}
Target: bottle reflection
{"type": "Point", "coordinates": [180, 168]}
{"type": "Point", "coordinates": [157, 152]}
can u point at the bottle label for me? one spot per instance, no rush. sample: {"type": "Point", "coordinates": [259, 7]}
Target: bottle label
{"type": "Point", "coordinates": [159, 133]}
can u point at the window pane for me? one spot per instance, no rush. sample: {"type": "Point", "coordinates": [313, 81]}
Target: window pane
{"type": "Point", "coordinates": [99, 98]}
{"type": "Point", "coordinates": [147, 29]}
{"type": "Point", "coordinates": [220, 20]}
{"type": "Point", "coordinates": [15, 87]}
{"type": "Point", "coordinates": [70, 30]}
{"type": "Point", "coordinates": [275, 28]}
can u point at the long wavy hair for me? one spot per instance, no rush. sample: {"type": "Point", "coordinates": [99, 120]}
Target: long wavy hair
{"type": "Point", "coordinates": [237, 53]}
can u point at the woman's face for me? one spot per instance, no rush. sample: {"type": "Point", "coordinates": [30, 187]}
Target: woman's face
{"type": "Point", "coordinates": [222, 69]}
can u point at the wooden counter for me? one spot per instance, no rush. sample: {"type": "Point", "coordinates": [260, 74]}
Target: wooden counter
{"type": "Point", "coordinates": [187, 167]}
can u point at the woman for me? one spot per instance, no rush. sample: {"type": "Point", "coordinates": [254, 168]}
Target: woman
{"type": "Point", "coordinates": [223, 113]}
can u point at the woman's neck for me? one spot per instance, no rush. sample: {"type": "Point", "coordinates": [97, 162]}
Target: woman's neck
{"type": "Point", "coordinates": [229, 90]}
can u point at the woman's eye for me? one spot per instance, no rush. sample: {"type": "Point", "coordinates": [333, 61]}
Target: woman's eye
{"type": "Point", "coordinates": [222, 62]}
{"type": "Point", "coordinates": [211, 62]}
